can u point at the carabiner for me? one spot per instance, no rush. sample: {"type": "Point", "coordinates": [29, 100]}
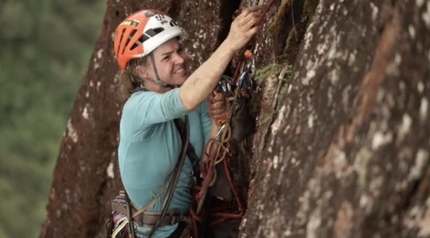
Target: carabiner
{"type": "Point", "coordinates": [222, 129]}
{"type": "Point", "coordinates": [243, 78]}
{"type": "Point", "coordinates": [225, 86]}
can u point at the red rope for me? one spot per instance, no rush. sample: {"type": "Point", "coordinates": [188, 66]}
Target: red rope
{"type": "Point", "coordinates": [215, 214]}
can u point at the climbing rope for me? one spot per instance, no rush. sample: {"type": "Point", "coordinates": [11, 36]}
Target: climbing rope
{"type": "Point", "coordinates": [217, 150]}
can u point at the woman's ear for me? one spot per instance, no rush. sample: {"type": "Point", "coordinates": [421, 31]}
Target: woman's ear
{"type": "Point", "coordinates": [142, 72]}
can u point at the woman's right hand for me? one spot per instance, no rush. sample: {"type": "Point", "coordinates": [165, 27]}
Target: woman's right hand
{"type": "Point", "coordinates": [243, 27]}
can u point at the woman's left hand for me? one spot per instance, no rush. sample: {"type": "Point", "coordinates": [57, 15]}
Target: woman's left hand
{"type": "Point", "coordinates": [217, 108]}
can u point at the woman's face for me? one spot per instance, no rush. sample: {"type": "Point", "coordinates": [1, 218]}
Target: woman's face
{"type": "Point", "coordinates": [170, 62]}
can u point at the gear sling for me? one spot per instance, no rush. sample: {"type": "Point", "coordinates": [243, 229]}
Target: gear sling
{"type": "Point", "coordinates": [124, 211]}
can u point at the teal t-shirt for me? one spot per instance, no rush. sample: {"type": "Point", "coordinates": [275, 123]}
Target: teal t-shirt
{"type": "Point", "coordinates": [149, 147]}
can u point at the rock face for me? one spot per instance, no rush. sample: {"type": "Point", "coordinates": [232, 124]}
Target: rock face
{"type": "Point", "coordinates": [342, 146]}
{"type": "Point", "coordinates": [347, 154]}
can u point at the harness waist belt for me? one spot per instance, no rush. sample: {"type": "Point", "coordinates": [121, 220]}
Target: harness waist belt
{"type": "Point", "coordinates": [149, 218]}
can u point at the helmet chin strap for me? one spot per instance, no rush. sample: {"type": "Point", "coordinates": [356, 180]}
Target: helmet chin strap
{"type": "Point", "coordinates": [157, 78]}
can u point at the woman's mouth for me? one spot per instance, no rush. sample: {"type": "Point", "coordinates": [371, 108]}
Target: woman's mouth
{"type": "Point", "coordinates": [179, 71]}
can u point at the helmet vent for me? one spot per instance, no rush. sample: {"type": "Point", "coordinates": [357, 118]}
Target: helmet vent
{"type": "Point", "coordinates": [132, 33]}
{"type": "Point", "coordinates": [140, 41]}
{"type": "Point", "coordinates": [154, 31]}
{"type": "Point", "coordinates": [120, 40]}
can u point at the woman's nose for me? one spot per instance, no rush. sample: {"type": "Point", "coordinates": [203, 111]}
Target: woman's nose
{"type": "Point", "coordinates": [180, 58]}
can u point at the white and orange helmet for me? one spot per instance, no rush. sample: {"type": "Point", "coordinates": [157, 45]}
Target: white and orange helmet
{"type": "Point", "coordinates": [141, 33]}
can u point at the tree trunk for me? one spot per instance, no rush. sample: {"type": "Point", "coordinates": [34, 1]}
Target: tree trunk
{"type": "Point", "coordinates": [342, 144]}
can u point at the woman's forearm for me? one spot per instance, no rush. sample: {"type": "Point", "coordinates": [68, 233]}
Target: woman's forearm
{"type": "Point", "coordinates": [202, 82]}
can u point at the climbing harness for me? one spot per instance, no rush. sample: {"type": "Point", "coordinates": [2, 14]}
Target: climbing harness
{"type": "Point", "coordinates": [217, 150]}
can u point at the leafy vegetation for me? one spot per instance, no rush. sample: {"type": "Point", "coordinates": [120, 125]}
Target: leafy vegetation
{"type": "Point", "coordinates": [45, 49]}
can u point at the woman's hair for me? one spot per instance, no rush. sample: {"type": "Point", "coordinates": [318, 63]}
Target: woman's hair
{"type": "Point", "coordinates": [128, 79]}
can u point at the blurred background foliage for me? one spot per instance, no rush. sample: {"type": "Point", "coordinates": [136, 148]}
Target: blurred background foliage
{"type": "Point", "coordinates": [45, 47]}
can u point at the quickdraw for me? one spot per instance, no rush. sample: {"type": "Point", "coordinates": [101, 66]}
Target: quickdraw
{"type": "Point", "coordinates": [217, 150]}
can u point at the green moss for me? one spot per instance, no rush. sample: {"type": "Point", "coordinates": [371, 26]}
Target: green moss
{"type": "Point", "coordinates": [310, 6]}
{"type": "Point", "coordinates": [268, 71]}
{"type": "Point", "coordinates": [267, 117]}
{"type": "Point", "coordinates": [287, 75]}
{"type": "Point", "coordinates": [281, 93]}
{"type": "Point", "coordinates": [272, 72]}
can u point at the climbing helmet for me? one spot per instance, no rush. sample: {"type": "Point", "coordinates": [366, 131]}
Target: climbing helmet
{"type": "Point", "coordinates": [141, 33]}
